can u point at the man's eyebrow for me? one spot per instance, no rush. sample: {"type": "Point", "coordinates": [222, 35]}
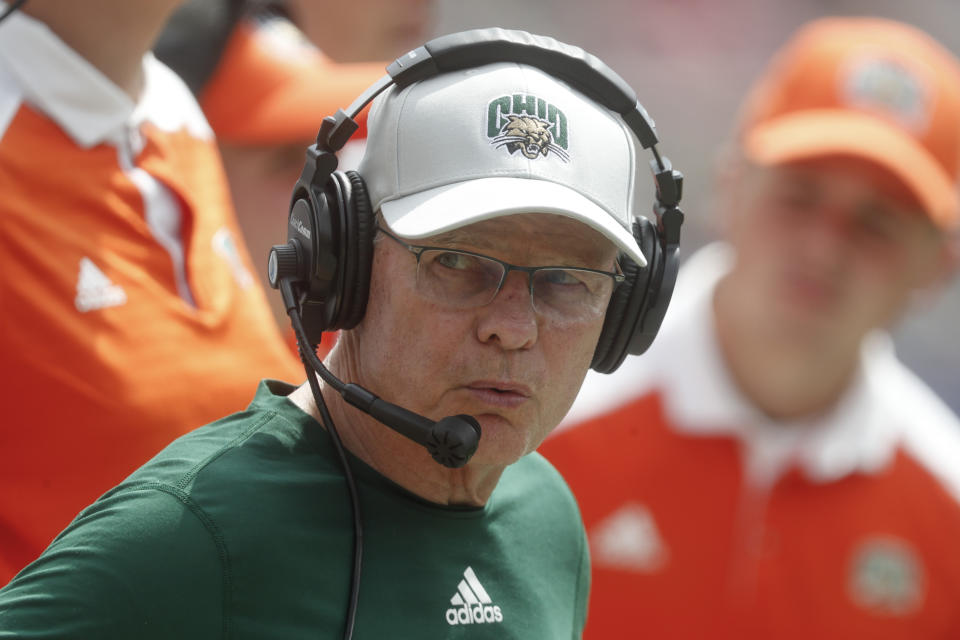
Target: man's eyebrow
{"type": "Point", "coordinates": [460, 236]}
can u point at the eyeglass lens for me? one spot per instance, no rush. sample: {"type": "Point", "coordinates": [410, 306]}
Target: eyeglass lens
{"type": "Point", "coordinates": [464, 280]}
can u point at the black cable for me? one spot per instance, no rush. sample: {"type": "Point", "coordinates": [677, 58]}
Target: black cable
{"type": "Point", "coordinates": [307, 356]}
{"type": "Point", "coordinates": [656, 156]}
{"type": "Point", "coordinates": [13, 6]}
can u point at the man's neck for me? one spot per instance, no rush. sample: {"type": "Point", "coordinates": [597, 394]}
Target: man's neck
{"type": "Point", "coordinates": [112, 35]}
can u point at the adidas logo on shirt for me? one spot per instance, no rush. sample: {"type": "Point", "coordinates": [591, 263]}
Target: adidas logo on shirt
{"type": "Point", "coordinates": [225, 246]}
{"type": "Point", "coordinates": [628, 539]}
{"type": "Point", "coordinates": [471, 603]}
{"type": "Point", "coordinates": [95, 290]}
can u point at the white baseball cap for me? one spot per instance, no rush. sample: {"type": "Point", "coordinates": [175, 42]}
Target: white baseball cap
{"type": "Point", "coordinates": [498, 140]}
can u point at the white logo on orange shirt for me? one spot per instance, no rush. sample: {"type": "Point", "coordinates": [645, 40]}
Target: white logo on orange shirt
{"type": "Point", "coordinates": [886, 576]}
{"type": "Point", "coordinates": [226, 248]}
{"type": "Point", "coordinates": [628, 539]}
{"type": "Point", "coordinates": [95, 290]}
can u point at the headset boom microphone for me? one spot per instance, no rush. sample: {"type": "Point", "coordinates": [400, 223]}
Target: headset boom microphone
{"type": "Point", "coordinates": [451, 441]}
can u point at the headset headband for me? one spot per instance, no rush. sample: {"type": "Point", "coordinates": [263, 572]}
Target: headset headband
{"type": "Point", "coordinates": [477, 47]}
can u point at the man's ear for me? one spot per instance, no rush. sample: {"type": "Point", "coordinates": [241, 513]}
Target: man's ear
{"type": "Point", "coordinates": [941, 270]}
{"type": "Point", "coordinates": [949, 260]}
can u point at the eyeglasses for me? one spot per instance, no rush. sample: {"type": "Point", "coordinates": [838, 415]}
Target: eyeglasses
{"type": "Point", "coordinates": [465, 280]}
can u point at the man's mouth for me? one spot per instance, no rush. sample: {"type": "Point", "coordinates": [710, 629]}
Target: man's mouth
{"type": "Point", "coordinates": [499, 393]}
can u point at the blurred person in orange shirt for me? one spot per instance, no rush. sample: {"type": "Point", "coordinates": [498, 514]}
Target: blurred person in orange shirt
{"type": "Point", "coordinates": [769, 469]}
{"type": "Point", "coordinates": [126, 284]}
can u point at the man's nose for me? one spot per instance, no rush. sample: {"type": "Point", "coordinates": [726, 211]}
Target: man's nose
{"type": "Point", "coordinates": [510, 318]}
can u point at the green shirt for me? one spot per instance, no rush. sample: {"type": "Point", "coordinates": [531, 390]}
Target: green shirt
{"type": "Point", "coordinates": [242, 529]}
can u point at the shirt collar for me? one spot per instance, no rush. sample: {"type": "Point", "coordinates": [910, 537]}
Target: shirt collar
{"type": "Point", "coordinates": [853, 436]}
{"type": "Point", "coordinates": [62, 84]}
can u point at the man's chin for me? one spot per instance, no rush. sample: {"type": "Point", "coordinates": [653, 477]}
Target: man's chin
{"type": "Point", "coordinates": [501, 442]}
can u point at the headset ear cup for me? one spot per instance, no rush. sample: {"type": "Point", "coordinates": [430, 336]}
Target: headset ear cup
{"type": "Point", "coordinates": [621, 314]}
{"type": "Point", "coordinates": [358, 254]}
{"type": "Point", "coordinates": [314, 229]}
{"type": "Point", "coordinates": [655, 307]}
{"type": "Point", "coordinates": [628, 303]}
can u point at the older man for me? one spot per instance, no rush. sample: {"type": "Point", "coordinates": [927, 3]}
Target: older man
{"type": "Point", "coordinates": [493, 259]}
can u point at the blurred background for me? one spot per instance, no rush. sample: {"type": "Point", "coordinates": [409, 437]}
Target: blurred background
{"type": "Point", "coordinates": [690, 62]}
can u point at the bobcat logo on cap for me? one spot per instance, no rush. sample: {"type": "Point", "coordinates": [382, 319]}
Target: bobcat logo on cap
{"type": "Point", "coordinates": [529, 125]}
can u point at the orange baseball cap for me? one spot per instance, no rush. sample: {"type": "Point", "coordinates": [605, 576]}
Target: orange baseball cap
{"type": "Point", "coordinates": [872, 88]}
{"type": "Point", "coordinates": [272, 85]}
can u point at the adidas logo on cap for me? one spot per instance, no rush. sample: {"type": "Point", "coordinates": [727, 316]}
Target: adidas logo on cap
{"type": "Point", "coordinates": [471, 603]}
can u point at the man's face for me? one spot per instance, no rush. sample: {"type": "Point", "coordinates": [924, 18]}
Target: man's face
{"type": "Point", "coordinates": [512, 368]}
{"type": "Point", "coordinates": [828, 250]}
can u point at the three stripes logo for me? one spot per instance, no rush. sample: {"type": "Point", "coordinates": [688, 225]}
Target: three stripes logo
{"type": "Point", "coordinates": [95, 290]}
{"type": "Point", "coordinates": [471, 603]}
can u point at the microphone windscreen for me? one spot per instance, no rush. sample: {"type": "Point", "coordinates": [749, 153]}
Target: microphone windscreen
{"type": "Point", "coordinates": [454, 440]}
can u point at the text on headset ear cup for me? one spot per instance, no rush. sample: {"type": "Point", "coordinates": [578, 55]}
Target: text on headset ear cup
{"type": "Point", "coordinates": [624, 317]}
{"type": "Point", "coordinates": [356, 253]}
{"type": "Point", "coordinates": [314, 233]}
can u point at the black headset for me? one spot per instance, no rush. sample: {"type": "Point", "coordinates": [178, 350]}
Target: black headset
{"type": "Point", "coordinates": [331, 222]}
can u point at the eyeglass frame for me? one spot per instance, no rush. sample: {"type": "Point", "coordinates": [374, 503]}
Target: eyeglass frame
{"type": "Point", "coordinates": [418, 250]}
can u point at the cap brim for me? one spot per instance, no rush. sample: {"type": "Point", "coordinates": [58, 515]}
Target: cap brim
{"type": "Point", "coordinates": [260, 94]}
{"type": "Point", "coordinates": [812, 134]}
{"type": "Point", "coordinates": [455, 205]}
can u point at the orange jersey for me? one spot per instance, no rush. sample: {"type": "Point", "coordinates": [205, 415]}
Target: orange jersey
{"type": "Point", "coordinates": [130, 310]}
{"type": "Point", "coordinates": [706, 520]}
